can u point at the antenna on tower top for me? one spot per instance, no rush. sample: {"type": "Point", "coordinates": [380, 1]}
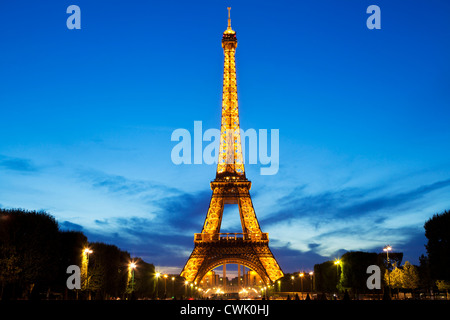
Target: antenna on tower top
{"type": "Point", "coordinates": [229, 18]}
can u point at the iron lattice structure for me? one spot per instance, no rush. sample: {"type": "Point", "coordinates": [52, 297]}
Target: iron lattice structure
{"type": "Point", "coordinates": [251, 247]}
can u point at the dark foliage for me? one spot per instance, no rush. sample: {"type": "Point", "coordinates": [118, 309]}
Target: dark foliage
{"type": "Point", "coordinates": [35, 254]}
{"type": "Point", "coordinates": [437, 231]}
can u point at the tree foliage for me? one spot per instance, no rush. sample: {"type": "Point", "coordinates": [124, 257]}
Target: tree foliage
{"type": "Point", "coordinates": [35, 254]}
{"type": "Point", "coordinates": [326, 276]}
{"type": "Point", "coordinates": [354, 270]}
{"type": "Point", "coordinates": [144, 279]}
{"type": "Point", "coordinates": [406, 277]}
{"type": "Point", "coordinates": [437, 231]}
{"type": "Point", "coordinates": [108, 270]}
{"type": "Point", "coordinates": [30, 240]}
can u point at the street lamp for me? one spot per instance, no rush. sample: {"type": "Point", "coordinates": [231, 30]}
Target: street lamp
{"type": "Point", "coordinates": [131, 267]}
{"type": "Point", "coordinates": [157, 275]}
{"type": "Point", "coordinates": [87, 252]}
{"type": "Point", "coordinates": [173, 287]}
{"type": "Point", "coordinates": [387, 249]}
{"type": "Point", "coordinates": [311, 274]}
{"type": "Point", "coordinates": [165, 285]}
{"type": "Point", "coordinates": [337, 262]}
{"type": "Point", "coordinates": [301, 283]}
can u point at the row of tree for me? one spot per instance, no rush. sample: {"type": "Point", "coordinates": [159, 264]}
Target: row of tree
{"type": "Point", "coordinates": [35, 255]}
{"type": "Point", "coordinates": [432, 275]}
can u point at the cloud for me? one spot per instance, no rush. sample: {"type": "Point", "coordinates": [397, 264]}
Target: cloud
{"type": "Point", "coordinates": [185, 212]}
{"type": "Point", "coordinates": [391, 201]}
{"type": "Point", "coordinates": [161, 232]}
{"type": "Point", "coordinates": [348, 203]}
{"type": "Point", "coordinates": [306, 228]}
{"type": "Point", "coordinates": [139, 236]}
{"type": "Point", "coordinates": [17, 164]}
{"type": "Point", "coordinates": [67, 225]}
{"type": "Point", "coordinates": [350, 219]}
{"type": "Point", "coordinates": [171, 210]}
{"type": "Point", "coordinates": [121, 185]}
{"type": "Point", "coordinates": [291, 260]}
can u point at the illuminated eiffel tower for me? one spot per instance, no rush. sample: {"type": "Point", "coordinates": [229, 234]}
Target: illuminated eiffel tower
{"type": "Point", "coordinates": [251, 247]}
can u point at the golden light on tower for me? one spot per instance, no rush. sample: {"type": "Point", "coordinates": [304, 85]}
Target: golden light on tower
{"type": "Point", "coordinates": [230, 150]}
{"type": "Point", "coordinates": [249, 248]}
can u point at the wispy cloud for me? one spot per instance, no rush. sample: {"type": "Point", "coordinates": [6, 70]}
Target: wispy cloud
{"type": "Point", "coordinates": [165, 229]}
{"type": "Point", "coordinates": [18, 164]}
{"type": "Point", "coordinates": [185, 212]}
{"type": "Point", "coordinates": [67, 225]}
{"type": "Point", "coordinates": [350, 219]}
{"type": "Point", "coordinates": [118, 184]}
{"type": "Point", "coordinates": [348, 203]}
{"type": "Point", "coordinates": [306, 226]}
{"type": "Point", "coordinates": [390, 201]}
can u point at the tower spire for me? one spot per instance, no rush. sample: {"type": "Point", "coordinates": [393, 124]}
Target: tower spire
{"type": "Point", "coordinates": [229, 30]}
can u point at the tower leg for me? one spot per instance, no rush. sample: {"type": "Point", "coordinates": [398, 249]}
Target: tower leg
{"type": "Point", "coordinates": [239, 275]}
{"type": "Point", "coordinates": [224, 277]}
{"type": "Point", "coordinates": [245, 277]}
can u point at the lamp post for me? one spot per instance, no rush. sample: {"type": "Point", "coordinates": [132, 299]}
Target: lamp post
{"type": "Point", "coordinates": [131, 267]}
{"type": "Point", "coordinates": [173, 287]}
{"type": "Point", "coordinates": [301, 284]}
{"type": "Point", "coordinates": [311, 274]}
{"type": "Point", "coordinates": [87, 252]}
{"type": "Point", "coordinates": [157, 275]}
{"type": "Point", "coordinates": [165, 285]}
{"type": "Point", "coordinates": [387, 249]}
{"type": "Point", "coordinates": [337, 262]}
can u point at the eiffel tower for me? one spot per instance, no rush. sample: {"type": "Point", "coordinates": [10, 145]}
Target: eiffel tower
{"type": "Point", "coordinates": [251, 247]}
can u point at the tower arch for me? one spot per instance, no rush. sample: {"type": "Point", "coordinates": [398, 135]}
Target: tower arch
{"type": "Point", "coordinates": [233, 260]}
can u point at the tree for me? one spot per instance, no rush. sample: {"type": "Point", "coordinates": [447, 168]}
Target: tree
{"type": "Point", "coordinates": [443, 286]}
{"type": "Point", "coordinates": [410, 276]}
{"type": "Point", "coordinates": [32, 237]}
{"type": "Point", "coordinates": [108, 270]}
{"type": "Point", "coordinates": [9, 269]}
{"type": "Point", "coordinates": [424, 273]}
{"type": "Point", "coordinates": [144, 279]}
{"type": "Point", "coordinates": [354, 270]}
{"type": "Point", "coordinates": [72, 244]}
{"type": "Point", "coordinates": [395, 259]}
{"type": "Point", "coordinates": [326, 276]}
{"type": "Point", "coordinates": [406, 277]}
{"type": "Point", "coordinates": [437, 231]}
{"type": "Point", "coordinates": [35, 254]}
{"type": "Point", "coordinates": [393, 278]}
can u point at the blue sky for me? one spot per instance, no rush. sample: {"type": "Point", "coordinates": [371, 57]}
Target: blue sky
{"type": "Point", "coordinates": [87, 115]}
